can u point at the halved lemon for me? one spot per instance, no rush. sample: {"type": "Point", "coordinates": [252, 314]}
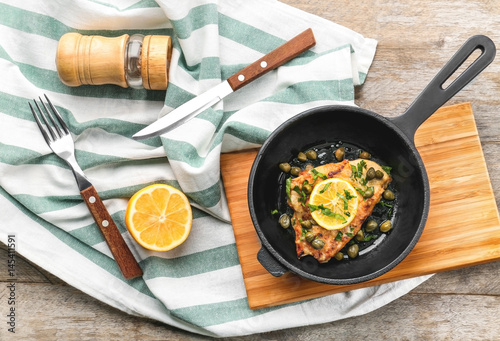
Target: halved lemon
{"type": "Point", "coordinates": [159, 217]}
{"type": "Point", "coordinates": [333, 203]}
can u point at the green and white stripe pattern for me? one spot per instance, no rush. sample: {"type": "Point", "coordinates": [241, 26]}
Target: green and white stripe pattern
{"type": "Point", "coordinates": [197, 286]}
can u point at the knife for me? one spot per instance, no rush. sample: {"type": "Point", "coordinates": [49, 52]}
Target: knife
{"type": "Point", "coordinates": [190, 109]}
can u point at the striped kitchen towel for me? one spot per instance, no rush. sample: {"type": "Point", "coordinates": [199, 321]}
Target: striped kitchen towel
{"type": "Point", "coordinates": [197, 286]}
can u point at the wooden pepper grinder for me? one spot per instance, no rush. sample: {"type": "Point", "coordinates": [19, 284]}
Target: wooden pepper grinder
{"type": "Point", "coordinates": [135, 61]}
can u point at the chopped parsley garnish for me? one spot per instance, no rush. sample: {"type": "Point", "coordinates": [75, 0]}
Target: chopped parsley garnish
{"type": "Point", "coordinates": [288, 187]}
{"type": "Point", "coordinates": [273, 212]}
{"type": "Point", "coordinates": [304, 231]}
{"type": "Point", "coordinates": [383, 204]}
{"type": "Point", "coordinates": [345, 198]}
{"type": "Point", "coordinates": [354, 170]}
{"type": "Point", "coordinates": [317, 175]}
{"type": "Point", "coordinates": [325, 187]}
{"type": "Point", "coordinates": [348, 195]}
{"type": "Point", "coordinates": [371, 188]}
{"type": "Point", "coordinates": [357, 172]}
{"type": "Point", "coordinates": [361, 165]}
{"type": "Point", "coordinates": [303, 196]}
{"type": "Point", "coordinates": [368, 238]}
{"type": "Point", "coordinates": [359, 190]}
{"type": "Point", "coordinates": [339, 236]}
{"type": "Point", "coordinates": [346, 202]}
{"type": "Point", "coordinates": [387, 169]}
{"type": "Point", "coordinates": [326, 211]}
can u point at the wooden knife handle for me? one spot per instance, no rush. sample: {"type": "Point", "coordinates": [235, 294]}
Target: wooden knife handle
{"type": "Point", "coordinates": [273, 59]}
{"type": "Point", "coordinates": [120, 250]}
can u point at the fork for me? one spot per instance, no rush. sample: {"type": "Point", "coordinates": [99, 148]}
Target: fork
{"type": "Point", "coordinates": [56, 134]}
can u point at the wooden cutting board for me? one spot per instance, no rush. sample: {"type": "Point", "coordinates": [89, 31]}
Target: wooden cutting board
{"type": "Point", "coordinates": [463, 228]}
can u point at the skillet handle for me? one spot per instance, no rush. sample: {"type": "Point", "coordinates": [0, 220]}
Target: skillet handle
{"type": "Point", "coordinates": [270, 263]}
{"type": "Point", "coordinates": [434, 95]}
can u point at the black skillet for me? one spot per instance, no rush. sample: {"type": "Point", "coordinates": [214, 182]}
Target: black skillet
{"type": "Point", "coordinates": [390, 140]}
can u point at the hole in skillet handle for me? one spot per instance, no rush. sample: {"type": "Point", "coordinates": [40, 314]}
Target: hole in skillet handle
{"type": "Point", "coordinates": [435, 94]}
{"type": "Point", "coordinates": [461, 69]}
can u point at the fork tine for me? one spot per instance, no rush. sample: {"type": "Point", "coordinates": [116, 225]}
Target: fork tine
{"type": "Point", "coordinates": [58, 115]}
{"type": "Point", "coordinates": [40, 125]}
{"type": "Point", "coordinates": [54, 126]}
{"type": "Point", "coordinates": [47, 124]}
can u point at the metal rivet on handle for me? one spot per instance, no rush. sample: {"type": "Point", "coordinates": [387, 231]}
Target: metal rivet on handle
{"type": "Point", "coordinates": [92, 199]}
{"type": "Point", "coordinates": [263, 64]}
{"type": "Point", "coordinates": [105, 223]}
{"type": "Point", "coordinates": [241, 78]}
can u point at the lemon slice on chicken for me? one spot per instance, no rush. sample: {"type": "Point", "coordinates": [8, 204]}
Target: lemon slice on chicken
{"type": "Point", "coordinates": [333, 203]}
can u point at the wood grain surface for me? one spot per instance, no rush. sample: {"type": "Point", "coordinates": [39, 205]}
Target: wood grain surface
{"type": "Point", "coordinates": [463, 227]}
{"type": "Point", "coordinates": [415, 39]}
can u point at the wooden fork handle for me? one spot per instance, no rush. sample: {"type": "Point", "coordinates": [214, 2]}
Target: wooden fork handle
{"type": "Point", "coordinates": [120, 250]}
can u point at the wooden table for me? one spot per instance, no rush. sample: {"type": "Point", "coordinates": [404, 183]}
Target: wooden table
{"type": "Point", "coordinates": [415, 39]}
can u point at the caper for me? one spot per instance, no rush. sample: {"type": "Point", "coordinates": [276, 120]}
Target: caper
{"type": "Point", "coordinates": [353, 251]}
{"type": "Point", "coordinates": [285, 167]}
{"type": "Point", "coordinates": [379, 174]}
{"type": "Point", "coordinates": [386, 226]}
{"type": "Point", "coordinates": [339, 256]}
{"type": "Point", "coordinates": [306, 188]}
{"type": "Point", "coordinates": [307, 224]}
{"type": "Point", "coordinates": [308, 167]}
{"type": "Point", "coordinates": [388, 195]}
{"type": "Point", "coordinates": [365, 155]}
{"type": "Point", "coordinates": [284, 221]}
{"type": "Point", "coordinates": [302, 157]}
{"type": "Point", "coordinates": [371, 225]}
{"type": "Point", "coordinates": [360, 236]}
{"type": "Point", "coordinates": [340, 153]}
{"type": "Point", "coordinates": [295, 171]}
{"type": "Point", "coordinates": [310, 236]}
{"type": "Point", "coordinates": [311, 154]}
{"type": "Point", "coordinates": [370, 173]}
{"type": "Point", "coordinates": [368, 194]}
{"type": "Point", "coordinates": [318, 244]}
